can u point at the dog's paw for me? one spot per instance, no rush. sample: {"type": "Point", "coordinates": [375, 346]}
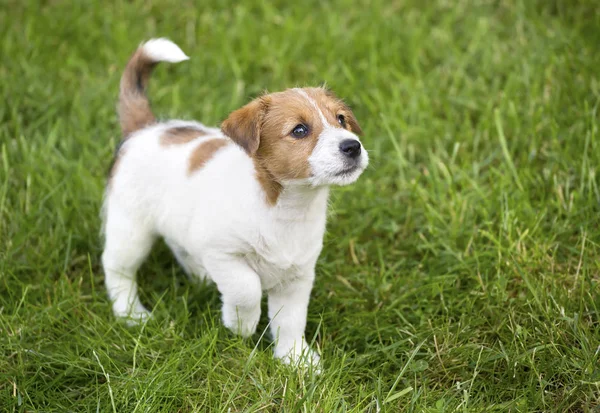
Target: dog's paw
{"type": "Point", "coordinates": [299, 355]}
{"type": "Point", "coordinates": [241, 322]}
{"type": "Point", "coordinates": [131, 315]}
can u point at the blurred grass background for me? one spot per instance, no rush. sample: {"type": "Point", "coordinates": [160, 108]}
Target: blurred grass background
{"type": "Point", "coordinates": [459, 274]}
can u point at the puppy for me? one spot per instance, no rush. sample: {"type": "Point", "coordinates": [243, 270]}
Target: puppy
{"type": "Point", "coordinates": [243, 205]}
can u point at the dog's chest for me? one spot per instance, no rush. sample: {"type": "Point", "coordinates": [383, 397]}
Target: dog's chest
{"type": "Point", "coordinates": [284, 253]}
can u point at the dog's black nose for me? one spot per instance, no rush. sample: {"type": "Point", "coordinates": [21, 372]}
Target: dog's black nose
{"type": "Point", "coordinates": [350, 148]}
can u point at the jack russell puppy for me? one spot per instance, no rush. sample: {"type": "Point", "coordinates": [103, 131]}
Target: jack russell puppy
{"type": "Point", "coordinates": [243, 205]}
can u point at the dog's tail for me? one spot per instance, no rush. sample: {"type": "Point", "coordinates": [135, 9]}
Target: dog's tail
{"type": "Point", "coordinates": [134, 108]}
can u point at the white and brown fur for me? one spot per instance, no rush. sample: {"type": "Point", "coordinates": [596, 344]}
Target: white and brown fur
{"type": "Point", "coordinates": [243, 205]}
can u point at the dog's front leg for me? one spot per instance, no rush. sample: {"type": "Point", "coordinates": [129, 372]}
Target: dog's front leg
{"type": "Point", "coordinates": [288, 306]}
{"type": "Point", "coordinates": [241, 292]}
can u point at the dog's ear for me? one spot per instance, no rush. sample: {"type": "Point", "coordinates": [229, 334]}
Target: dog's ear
{"type": "Point", "coordinates": [243, 125]}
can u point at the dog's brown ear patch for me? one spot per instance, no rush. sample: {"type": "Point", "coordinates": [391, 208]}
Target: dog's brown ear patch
{"type": "Point", "coordinates": [243, 125]}
{"type": "Point", "coordinates": [204, 152]}
{"type": "Point", "coordinates": [180, 135]}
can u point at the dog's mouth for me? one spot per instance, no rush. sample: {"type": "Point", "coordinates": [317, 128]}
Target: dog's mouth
{"type": "Point", "coordinates": [347, 171]}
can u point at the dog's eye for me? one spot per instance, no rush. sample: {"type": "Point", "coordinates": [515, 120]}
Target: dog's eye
{"type": "Point", "coordinates": [300, 131]}
{"type": "Point", "coordinates": [341, 120]}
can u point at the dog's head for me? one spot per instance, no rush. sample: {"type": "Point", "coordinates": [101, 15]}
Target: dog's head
{"type": "Point", "coordinates": [300, 135]}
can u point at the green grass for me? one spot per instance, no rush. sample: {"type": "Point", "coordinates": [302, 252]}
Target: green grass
{"type": "Point", "coordinates": [460, 273]}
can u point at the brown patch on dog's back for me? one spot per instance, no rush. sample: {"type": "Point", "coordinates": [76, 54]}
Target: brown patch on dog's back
{"type": "Point", "coordinates": [180, 135]}
{"type": "Point", "coordinates": [204, 152]}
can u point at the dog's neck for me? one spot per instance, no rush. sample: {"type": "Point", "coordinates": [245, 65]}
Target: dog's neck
{"type": "Point", "coordinates": [301, 202]}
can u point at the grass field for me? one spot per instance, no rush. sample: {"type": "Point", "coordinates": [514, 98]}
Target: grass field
{"type": "Point", "coordinates": [460, 273]}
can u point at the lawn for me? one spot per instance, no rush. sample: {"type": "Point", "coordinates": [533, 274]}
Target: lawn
{"type": "Point", "coordinates": [460, 273]}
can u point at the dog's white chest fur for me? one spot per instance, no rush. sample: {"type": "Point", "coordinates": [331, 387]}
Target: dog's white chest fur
{"type": "Point", "coordinates": [289, 241]}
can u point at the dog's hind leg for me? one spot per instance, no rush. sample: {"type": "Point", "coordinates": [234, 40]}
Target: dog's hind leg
{"type": "Point", "coordinates": [128, 242]}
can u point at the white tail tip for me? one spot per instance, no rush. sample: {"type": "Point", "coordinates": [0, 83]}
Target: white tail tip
{"type": "Point", "coordinates": [163, 50]}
